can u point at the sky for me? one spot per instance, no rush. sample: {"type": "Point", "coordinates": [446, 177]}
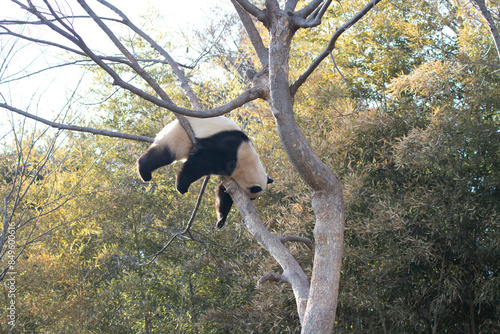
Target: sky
{"type": "Point", "coordinates": [47, 92]}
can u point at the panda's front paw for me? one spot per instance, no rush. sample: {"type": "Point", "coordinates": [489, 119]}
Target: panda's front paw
{"type": "Point", "coordinates": [221, 222]}
{"type": "Point", "coordinates": [181, 187]}
{"type": "Point", "coordinates": [145, 175]}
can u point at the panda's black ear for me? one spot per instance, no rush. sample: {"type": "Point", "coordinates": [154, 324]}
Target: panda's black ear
{"type": "Point", "coordinates": [223, 204]}
{"type": "Point", "coordinates": [269, 180]}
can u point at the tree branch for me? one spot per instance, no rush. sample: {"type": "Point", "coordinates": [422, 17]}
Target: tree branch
{"type": "Point", "coordinates": [173, 64]}
{"type": "Point", "coordinates": [315, 18]}
{"type": "Point", "coordinates": [60, 46]}
{"type": "Point", "coordinates": [292, 271]}
{"type": "Point", "coordinates": [188, 225]}
{"type": "Point", "coordinates": [254, 10]}
{"type": "Point", "coordinates": [290, 5]}
{"type": "Point", "coordinates": [246, 96]}
{"type": "Point", "coordinates": [331, 45]}
{"type": "Point", "coordinates": [272, 277]}
{"type": "Point", "coordinates": [309, 8]}
{"type": "Point", "coordinates": [77, 128]}
{"type": "Point", "coordinates": [253, 34]}
{"type": "Point", "coordinates": [137, 68]}
{"type": "Point", "coordinates": [134, 64]}
{"type": "Point", "coordinates": [490, 22]}
{"type": "Point", "coordinates": [286, 238]}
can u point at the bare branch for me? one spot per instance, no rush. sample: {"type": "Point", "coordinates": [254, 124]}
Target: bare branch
{"type": "Point", "coordinates": [306, 241]}
{"type": "Point", "coordinates": [246, 96]}
{"type": "Point", "coordinates": [137, 68]}
{"type": "Point", "coordinates": [349, 85]}
{"type": "Point", "coordinates": [78, 128]}
{"type": "Point", "coordinates": [173, 64]}
{"type": "Point", "coordinates": [290, 5]}
{"type": "Point", "coordinates": [309, 8]}
{"type": "Point", "coordinates": [253, 34]}
{"type": "Point", "coordinates": [134, 64]}
{"type": "Point", "coordinates": [86, 62]}
{"type": "Point", "coordinates": [331, 45]}
{"type": "Point", "coordinates": [486, 14]}
{"type": "Point", "coordinates": [57, 45]}
{"type": "Point", "coordinates": [291, 268]}
{"type": "Point", "coordinates": [253, 10]}
{"type": "Point", "coordinates": [315, 18]}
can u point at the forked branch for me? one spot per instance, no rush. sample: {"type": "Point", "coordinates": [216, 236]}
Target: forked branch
{"type": "Point", "coordinates": [292, 271]}
{"type": "Point", "coordinates": [253, 10]}
{"type": "Point", "coordinates": [188, 225]}
{"type": "Point", "coordinates": [253, 34]}
{"type": "Point", "coordinates": [314, 19]}
{"type": "Point", "coordinates": [68, 33]}
{"type": "Point", "coordinates": [173, 64]}
{"type": "Point", "coordinates": [331, 45]}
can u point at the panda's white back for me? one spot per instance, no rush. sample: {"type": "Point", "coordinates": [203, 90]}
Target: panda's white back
{"type": "Point", "coordinates": [206, 127]}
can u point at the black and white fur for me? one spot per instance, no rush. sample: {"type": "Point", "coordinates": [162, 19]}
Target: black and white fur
{"type": "Point", "coordinates": [221, 149]}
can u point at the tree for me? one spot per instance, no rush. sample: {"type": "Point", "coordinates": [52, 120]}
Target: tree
{"type": "Point", "coordinates": [316, 300]}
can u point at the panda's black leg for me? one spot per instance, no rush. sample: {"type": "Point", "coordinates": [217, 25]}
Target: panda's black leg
{"type": "Point", "coordinates": [199, 164]}
{"type": "Point", "coordinates": [154, 158]}
{"type": "Point", "coordinates": [223, 204]}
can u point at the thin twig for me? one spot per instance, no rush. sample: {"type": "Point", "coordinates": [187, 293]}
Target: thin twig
{"type": "Point", "coordinates": [188, 225]}
{"type": "Point", "coordinates": [350, 87]}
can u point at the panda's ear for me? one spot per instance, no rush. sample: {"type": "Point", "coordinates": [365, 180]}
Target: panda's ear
{"type": "Point", "coordinates": [269, 180]}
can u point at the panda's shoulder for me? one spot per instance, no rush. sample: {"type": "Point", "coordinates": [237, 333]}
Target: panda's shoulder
{"type": "Point", "coordinates": [172, 129]}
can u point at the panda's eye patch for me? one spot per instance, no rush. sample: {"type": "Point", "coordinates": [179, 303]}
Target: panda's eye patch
{"type": "Point", "coordinates": [255, 189]}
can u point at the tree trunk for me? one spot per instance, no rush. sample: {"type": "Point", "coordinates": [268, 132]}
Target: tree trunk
{"type": "Point", "coordinates": [327, 197]}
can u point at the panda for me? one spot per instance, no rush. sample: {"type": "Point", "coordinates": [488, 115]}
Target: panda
{"type": "Point", "coordinates": [221, 149]}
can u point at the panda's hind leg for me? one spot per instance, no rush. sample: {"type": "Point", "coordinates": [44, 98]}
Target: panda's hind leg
{"type": "Point", "coordinates": [223, 204]}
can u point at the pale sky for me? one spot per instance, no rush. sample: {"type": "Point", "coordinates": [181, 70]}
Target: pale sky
{"type": "Point", "coordinates": [50, 91]}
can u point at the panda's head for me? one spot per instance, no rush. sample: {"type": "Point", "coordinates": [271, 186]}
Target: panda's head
{"type": "Point", "coordinates": [249, 172]}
